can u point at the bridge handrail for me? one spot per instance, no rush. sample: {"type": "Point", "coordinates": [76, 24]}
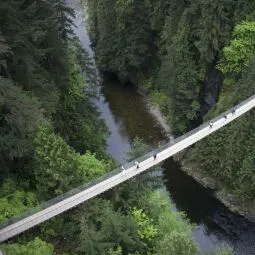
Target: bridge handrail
{"type": "Point", "coordinates": [118, 170]}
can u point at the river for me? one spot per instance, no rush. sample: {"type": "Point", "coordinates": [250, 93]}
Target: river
{"type": "Point", "coordinates": [127, 115]}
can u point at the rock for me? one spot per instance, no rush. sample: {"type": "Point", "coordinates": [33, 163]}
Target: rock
{"type": "Point", "coordinates": [231, 201]}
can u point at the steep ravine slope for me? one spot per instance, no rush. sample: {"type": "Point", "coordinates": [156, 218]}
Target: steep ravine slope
{"type": "Point", "coordinates": [169, 48]}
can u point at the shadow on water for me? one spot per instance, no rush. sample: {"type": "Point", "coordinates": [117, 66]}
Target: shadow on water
{"type": "Point", "coordinates": [216, 224]}
{"type": "Point", "coordinates": [127, 116]}
{"type": "Point", "coordinates": [130, 106]}
{"type": "Point", "coordinates": [131, 118]}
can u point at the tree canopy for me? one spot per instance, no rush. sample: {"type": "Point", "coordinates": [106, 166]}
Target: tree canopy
{"type": "Point", "coordinates": [184, 44]}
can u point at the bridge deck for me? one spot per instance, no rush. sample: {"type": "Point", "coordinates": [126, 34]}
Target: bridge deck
{"type": "Point", "coordinates": [78, 196]}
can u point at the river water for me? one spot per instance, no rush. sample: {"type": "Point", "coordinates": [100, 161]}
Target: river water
{"type": "Point", "coordinates": [127, 115]}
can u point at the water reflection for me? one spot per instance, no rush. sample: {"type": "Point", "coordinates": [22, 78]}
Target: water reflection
{"type": "Point", "coordinates": [216, 224]}
{"type": "Point", "coordinates": [126, 115]}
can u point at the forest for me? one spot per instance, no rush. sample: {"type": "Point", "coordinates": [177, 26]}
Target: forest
{"type": "Point", "coordinates": [50, 137]}
{"type": "Point", "coordinates": [178, 52]}
{"type": "Point", "coordinates": [51, 141]}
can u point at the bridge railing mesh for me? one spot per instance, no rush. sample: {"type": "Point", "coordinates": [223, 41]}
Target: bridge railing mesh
{"type": "Point", "coordinates": [162, 146]}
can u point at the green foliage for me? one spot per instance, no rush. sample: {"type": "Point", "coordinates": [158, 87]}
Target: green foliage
{"type": "Point", "coordinates": [176, 244]}
{"type": "Point", "coordinates": [43, 73]}
{"type": "Point", "coordinates": [4, 50]}
{"type": "Point", "coordinates": [162, 100]}
{"type": "Point", "coordinates": [14, 200]}
{"type": "Point", "coordinates": [179, 81]}
{"type": "Point", "coordinates": [146, 229]}
{"type": "Point", "coordinates": [103, 228]}
{"type": "Point", "coordinates": [241, 49]}
{"type": "Point", "coordinates": [19, 116]}
{"type": "Point", "coordinates": [56, 162]}
{"type": "Point", "coordinates": [185, 41]}
{"type": "Point", "coordinates": [44, 76]}
{"type": "Point", "coordinates": [193, 36]}
{"type": "Point", "coordinates": [159, 207]}
{"type": "Point", "coordinates": [64, 18]}
{"type": "Point", "coordinates": [138, 149]}
{"type": "Point", "coordinates": [35, 46]}
{"type": "Point", "coordinates": [76, 118]}
{"type": "Point", "coordinates": [89, 167]}
{"type": "Point", "coordinates": [44, 83]}
{"type": "Point", "coordinates": [234, 144]}
{"type": "Point", "coordinates": [36, 247]}
{"type": "Point", "coordinates": [174, 43]}
{"type": "Point", "coordinates": [127, 194]}
{"type": "Point", "coordinates": [58, 168]}
{"type": "Point", "coordinates": [134, 219]}
{"type": "Point", "coordinates": [130, 50]}
{"type": "Point", "coordinates": [231, 149]}
{"type": "Point", "coordinates": [117, 251]}
{"type": "Point", "coordinates": [44, 68]}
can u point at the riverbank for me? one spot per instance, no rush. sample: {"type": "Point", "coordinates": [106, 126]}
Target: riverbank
{"type": "Point", "coordinates": [154, 109]}
{"type": "Point", "coordinates": [172, 88]}
{"type": "Point", "coordinates": [225, 196]}
{"type": "Point", "coordinates": [231, 201]}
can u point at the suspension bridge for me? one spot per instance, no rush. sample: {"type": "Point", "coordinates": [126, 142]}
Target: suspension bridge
{"type": "Point", "coordinates": [62, 203]}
